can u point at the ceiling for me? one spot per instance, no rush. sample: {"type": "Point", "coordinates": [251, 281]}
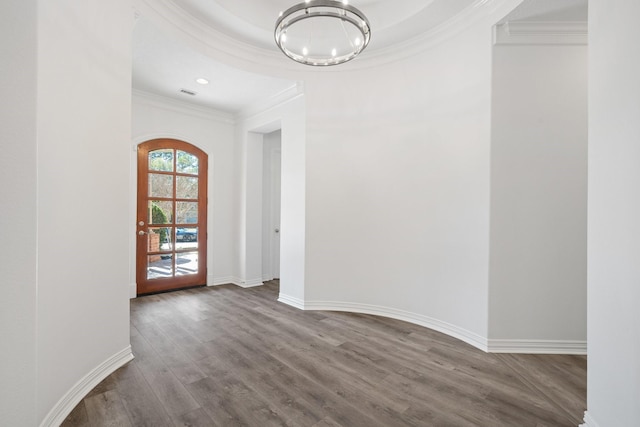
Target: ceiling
{"type": "Point", "coordinates": [164, 64]}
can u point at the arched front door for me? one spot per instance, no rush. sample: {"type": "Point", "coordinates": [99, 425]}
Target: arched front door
{"type": "Point", "coordinates": [171, 250]}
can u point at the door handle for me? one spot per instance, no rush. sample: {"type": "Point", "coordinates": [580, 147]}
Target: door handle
{"type": "Point", "coordinates": [142, 233]}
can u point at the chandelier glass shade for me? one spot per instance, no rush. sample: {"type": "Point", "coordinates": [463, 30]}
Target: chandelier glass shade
{"type": "Point", "coordinates": [322, 32]}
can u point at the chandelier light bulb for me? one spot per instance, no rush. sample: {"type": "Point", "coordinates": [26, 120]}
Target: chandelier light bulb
{"type": "Point", "coordinates": [333, 52]}
{"type": "Point", "coordinates": [305, 51]}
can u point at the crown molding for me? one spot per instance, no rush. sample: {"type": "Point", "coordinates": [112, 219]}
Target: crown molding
{"type": "Point", "coordinates": [541, 33]}
{"type": "Point", "coordinates": [274, 101]}
{"type": "Point", "coordinates": [158, 101]}
{"type": "Point", "coordinates": [211, 41]}
{"type": "Point", "coordinates": [221, 46]}
{"type": "Point", "coordinates": [480, 9]}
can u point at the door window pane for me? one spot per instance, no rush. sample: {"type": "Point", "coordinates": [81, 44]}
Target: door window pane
{"type": "Point", "coordinates": [186, 263]}
{"type": "Point", "coordinates": [159, 266]}
{"type": "Point", "coordinates": [186, 238]}
{"type": "Point", "coordinates": [186, 187]}
{"type": "Point", "coordinates": [160, 185]}
{"type": "Point", "coordinates": [186, 163]}
{"type": "Point", "coordinates": [160, 239]}
{"type": "Point", "coordinates": [161, 160]}
{"type": "Point", "coordinates": [160, 212]}
{"type": "Point", "coordinates": [186, 212]}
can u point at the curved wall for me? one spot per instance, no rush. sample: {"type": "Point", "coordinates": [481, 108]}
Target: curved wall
{"type": "Point", "coordinates": [68, 163]}
{"type": "Point", "coordinates": [398, 187]}
{"type": "Point", "coordinates": [84, 125]}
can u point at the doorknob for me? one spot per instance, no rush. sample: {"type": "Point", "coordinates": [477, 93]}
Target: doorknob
{"type": "Point", "coordinates": [142, 233]}
{"type": "Point", "coordinates": [141, 223]}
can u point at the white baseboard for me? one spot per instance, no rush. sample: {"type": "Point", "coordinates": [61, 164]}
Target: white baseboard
{"type": "Point", "coordinates": [249, 283]}
{"type": "Point", "coordinates": [538, 347]}
{"type": "Point", "coordinates": [418, 319]}
{"type": "Point", "coordinates": [217, 281]}
{"type": "Point", "coordinates": [133, 290]}
{"type": "Point", "coordinates": [588, 421]}
{"type": "Point", "coordinates": [232, 280]}
{"type": "Point", "coordinates": [292, 301]}
{"type": "Point", "coordinates": [65, 405]}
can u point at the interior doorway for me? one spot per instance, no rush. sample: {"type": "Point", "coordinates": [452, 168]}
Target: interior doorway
{"type": "Point", "coordinates": [271, 205]}
{"type": "Point", "coordinates": [171, 225]}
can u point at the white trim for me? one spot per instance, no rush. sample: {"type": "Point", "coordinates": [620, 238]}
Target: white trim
{"type": "Point", "coordinates": [173, 105]}
{"type": "Point", "coordinates": [538, 346]}
{"type": "Point", "coordinates": [438, 325]}
{"type": "Point", "coordinates": [292, 301]}
{"type": "Point", "coordinates": [479, 9]}
{"type": "Point", "coordinates": [248, 283]}
{"type": "Point", "coordinates": [232, 280]}
{"type": "Point", "coordinates": [244, 55]}
{"type": "Point", "coordinates": [133, 290]}
{"type": "Point", "coordinates": [274, 101]}
{"type": "Point", "coordinates": [540, 33]}
{"type": "Point", "coordinates": [65, 405]}
{"type": "Point", "coordinates": [217, 281]}
{"type": "Point", "coordinates": [589, 421]}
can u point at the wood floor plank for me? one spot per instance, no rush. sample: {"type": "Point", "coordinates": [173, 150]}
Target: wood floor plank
{"type": "Point", "coordinates": [226, 356]}
{"type": "Point", "coordinates": [106, 410]}
{"type": "Point", "coordinates": [174, 357]}
{"type": "Point", "coordinates": [78, 417]}
{"type": "Point", "coordinates": [558, 377]}
{"type": "Point", "coordinates": [196, 418]}
{"type": "Point", "coordinates": [141, 403]}
{"type": "Point", "coordinates": [173, 395]}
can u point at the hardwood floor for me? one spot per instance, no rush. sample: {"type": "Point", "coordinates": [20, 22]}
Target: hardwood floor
{"type": "Point", "coordinates": [226, 356]}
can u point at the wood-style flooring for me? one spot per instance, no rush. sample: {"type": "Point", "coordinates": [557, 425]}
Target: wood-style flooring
{"type": "Point", "coordinates": [226, 356]}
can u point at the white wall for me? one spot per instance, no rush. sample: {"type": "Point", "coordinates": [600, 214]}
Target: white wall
{"type": "Point", "coordinates": [213, 132]}
{"type": "Point", "coordinates": [18, 219]}
{"type": "Point", "coordinates": [250, 208]}
{"type": "Point", "coordinates": [398, 187]}
{"type": "Point", "coordinates": [613, 395]}
{"type": "Point", "coordinates": [66, 126]}
{"type": "Point", "coordinates": [538, 249]}
{"type": "Point", "coordinates": [84, 128]}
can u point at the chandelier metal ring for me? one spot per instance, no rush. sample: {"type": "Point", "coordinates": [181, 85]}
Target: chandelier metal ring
{"type": "Point", "coordinates": [314, 32]}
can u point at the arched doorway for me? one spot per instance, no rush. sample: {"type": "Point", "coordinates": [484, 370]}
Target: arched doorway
{"type": "Point", "coordinates": [171, 247]}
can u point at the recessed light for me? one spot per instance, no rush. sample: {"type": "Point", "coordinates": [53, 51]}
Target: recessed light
{"type": "Point", "coordinates": [202, 81]}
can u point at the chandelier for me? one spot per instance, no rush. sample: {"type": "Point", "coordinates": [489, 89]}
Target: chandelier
{"type": "Point", "coordinates": [322, 32]}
